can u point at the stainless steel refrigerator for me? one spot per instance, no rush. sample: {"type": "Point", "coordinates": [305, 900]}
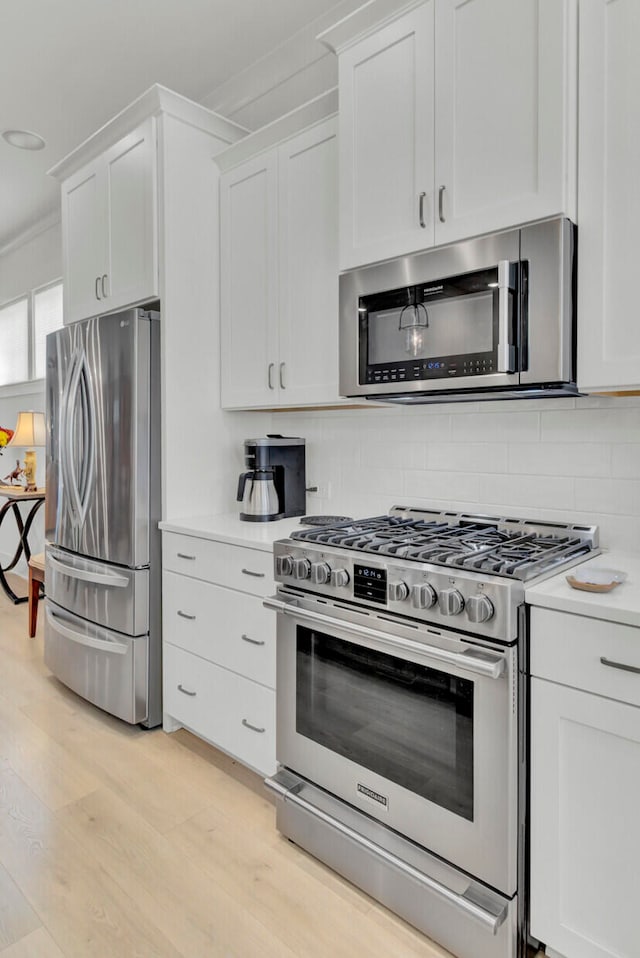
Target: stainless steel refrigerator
{"type": "Point", "coordinates": [102, 551]}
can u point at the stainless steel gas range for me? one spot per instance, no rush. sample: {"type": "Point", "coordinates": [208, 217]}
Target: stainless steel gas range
{"type": "Point", "coordinates": [401, 711]}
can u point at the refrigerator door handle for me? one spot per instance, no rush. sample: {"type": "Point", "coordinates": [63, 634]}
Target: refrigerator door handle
{"type": "Point", "coordinates": [107, 578]}
{"type": "Point", "coordinates": [79, 400]}
{"type": "Point", "coordinates": [104, 645]}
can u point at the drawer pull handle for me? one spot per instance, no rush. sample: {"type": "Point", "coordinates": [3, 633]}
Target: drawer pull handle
{"type": "Point", "coordinates": [619, 665]}
{"type": "Point", "coordinates": [183, 555]}
{"type": "Point", "coordinates": [247, 638]}
{"type": "Point", "coordinates": [182, 689]}
{"type": "Point", "coordinates": [254, 728]}
{"type": "Point", "coordinates": [185, 615]}
{"type": "Point", "coordinates": [257, 575]}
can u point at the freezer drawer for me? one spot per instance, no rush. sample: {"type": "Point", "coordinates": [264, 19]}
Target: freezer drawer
{"type": "Point", "coordinates": [104, 667]}
{"type": "Point", "coordinates": [108, 595]}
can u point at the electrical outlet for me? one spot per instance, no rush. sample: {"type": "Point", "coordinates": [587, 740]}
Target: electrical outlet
{"type": "Point", "coordinates": [319, 490]}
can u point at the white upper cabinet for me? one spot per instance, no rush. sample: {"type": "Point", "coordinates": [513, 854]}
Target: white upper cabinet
{"type": "Point", "coordinates": [505, 114]}
{"type": "Point", "coordinates": [308, 247]}
{"type": "Point", "coordinates": [279, 273]}
{"type": "Point", "coordinates": [457, 118]}
{"type": "Point", "coordinates": [249, 283]}
{"type": "Point", "coordinates": [386, 84]}
{"type": "Point", "coordinates": [608, 196]}
{"type": "Point", "coordinates": [109, 210]}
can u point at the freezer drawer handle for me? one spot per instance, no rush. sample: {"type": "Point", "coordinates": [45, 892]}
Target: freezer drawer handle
{"type": "Point", "coordinates": [185, 615]}
{"type": "Point", "coordinates": [103, 645]}
{"type": "Point", "coordinates": [258, 575]}
{"type": "Point", "coordinates": [184, 691]}
{"type": "Point", "coordinates": [247, 638]}
{"type": "Point", "coordinates": [490, 666]}
{"type": "Point", "coordinates": [619, 665]}
{"type": "Point", "coordinates": [100, 578]}
{"type": "Point", "coordinates": [254, 728]}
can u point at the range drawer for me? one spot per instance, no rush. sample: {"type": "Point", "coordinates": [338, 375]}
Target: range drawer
{"type": "Point", "coordinates": [229, 628]}
{"type": "Point", "coordinates": [236, 567]}
{"type": "Point", "coordinates": [570, 649]}
{"type": "Point", "coordinates": [231, 712]}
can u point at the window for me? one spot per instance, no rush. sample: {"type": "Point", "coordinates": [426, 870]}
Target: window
{"type": "Point", "coordinates": [24, 325]}
{"type": "Point", "coordinates": [47, 317]}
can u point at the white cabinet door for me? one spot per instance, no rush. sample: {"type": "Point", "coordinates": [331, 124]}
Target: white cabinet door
{"type": "Point", "coordinates": [131, 266]}
{"type": "Point", "coordinates": [308, 248]}
{"type": "Point", "coordinates": [585, 836]}
{"type": "Point", "coordinates": [109, 228]}
{"type": "Point", "coordinates": [84, 232]}
{"type": "Point", "coordinates": [386, 141]}
{"type": "Point", "coordinates": [249, 283]}
{"type": "Point", "coordinates": [608, 196]}
{"type": "Point", "coordinates": [505, 112]}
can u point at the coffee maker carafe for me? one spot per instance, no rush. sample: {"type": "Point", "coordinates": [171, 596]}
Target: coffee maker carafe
{"type": "Point", "coordinates": [274, 485]}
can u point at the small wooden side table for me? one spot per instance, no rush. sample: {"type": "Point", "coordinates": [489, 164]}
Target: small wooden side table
{"type": "Point", "coordinates": [14, 496]}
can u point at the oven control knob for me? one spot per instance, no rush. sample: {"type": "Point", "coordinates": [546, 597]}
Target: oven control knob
{"type": "Point", "coordinates": [339, 577]}
{"type": "Point", "coordinates": [398, 591]}
{"type": "Point", "coordinates": [450, 602]}
{"type": "Point", "coordinates": [479, 608]}
{"type": "Point", "coordinates": [320, 572]}
{"type": "Point", "coordinates": [301, 568]}
{"type": "Point", "coordinates": [424, 596]}
{"type": "Point", "coordinates": [284, 565]}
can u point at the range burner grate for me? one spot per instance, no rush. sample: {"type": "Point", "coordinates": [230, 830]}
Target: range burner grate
{"type": "Point", "coordinates": [511, 548]}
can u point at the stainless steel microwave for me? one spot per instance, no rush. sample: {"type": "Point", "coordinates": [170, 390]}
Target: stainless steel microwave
{"type": "Point", "coordinates": [487, 318]}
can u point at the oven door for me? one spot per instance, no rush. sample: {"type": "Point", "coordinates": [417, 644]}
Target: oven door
{"type": "Point", "coordinates": [415, 726]}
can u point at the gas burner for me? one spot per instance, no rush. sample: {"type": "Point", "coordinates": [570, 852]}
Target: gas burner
{"type": "Point", "coordinates": [513, 548]}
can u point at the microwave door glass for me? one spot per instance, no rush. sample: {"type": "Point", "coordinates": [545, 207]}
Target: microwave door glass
{"type": "Point", "coordinates": [453, 327]}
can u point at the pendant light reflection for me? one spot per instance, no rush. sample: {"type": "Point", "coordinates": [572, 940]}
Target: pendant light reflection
{"type": "Point", "coordinates": [414, 320]}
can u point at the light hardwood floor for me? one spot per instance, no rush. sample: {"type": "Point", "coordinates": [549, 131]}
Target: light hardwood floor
{"type": "Point", "coordinates": [117, 842]}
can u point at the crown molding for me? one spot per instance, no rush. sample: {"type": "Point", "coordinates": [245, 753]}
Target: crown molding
{"type": "Point", "coordinates": [30, 233]}
{"type": "Point", "coordinates": [154, 101]}
{"type": "Point", "coordinates": [363, 21]}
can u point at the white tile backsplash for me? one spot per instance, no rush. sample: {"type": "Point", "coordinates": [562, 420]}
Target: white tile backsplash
{"type": "Point", "coordinates": [557, 459]}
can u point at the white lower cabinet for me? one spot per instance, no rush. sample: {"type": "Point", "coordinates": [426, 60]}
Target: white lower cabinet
{"type": "Point", "coordinates": [219, 647]}
{"type": "Point", "coordinates": [585, 780]}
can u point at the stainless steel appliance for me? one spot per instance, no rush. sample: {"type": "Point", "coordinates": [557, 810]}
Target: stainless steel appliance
{"type": "Point", "coordinates": [274, 485]}
{"type": "Point", "coordinates": [102, 552]}
{"type": "Point", "coordinates": [401, 710]}
{"type": "Point", "coordinates": [487, 318]}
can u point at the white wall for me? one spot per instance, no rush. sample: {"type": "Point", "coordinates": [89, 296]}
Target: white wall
{"type": "Point", "coordinates": [556, 459]}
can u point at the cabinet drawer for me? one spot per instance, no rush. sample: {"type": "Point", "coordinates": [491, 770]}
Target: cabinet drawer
{"type": "Point", "coordinates": [233, 713]}
{"type": "Point", "coordinates": [250, 570]}
{"type": "Point", "coordinates": [229, 628]}
{"type": "Point", "coordinates": [569, 649]}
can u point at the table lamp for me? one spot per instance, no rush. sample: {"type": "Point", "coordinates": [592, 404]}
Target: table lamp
{"type": "Point", "coordinates": [30, 431]}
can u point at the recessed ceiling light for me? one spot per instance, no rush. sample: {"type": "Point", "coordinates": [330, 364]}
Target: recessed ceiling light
{"type": "Point", "coordinates": [23, 139]}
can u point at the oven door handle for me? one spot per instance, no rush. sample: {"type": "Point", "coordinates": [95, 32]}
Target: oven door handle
{"type": "Point", "coordinates": [491, 922]}
{"type": "Point", "coordinates": [490, 665]}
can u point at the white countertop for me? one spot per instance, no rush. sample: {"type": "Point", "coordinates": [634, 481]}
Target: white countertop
{"type": "Point", "coordinates": [622, 604]}
{"type": "Point", "coordinates": [227, 527]}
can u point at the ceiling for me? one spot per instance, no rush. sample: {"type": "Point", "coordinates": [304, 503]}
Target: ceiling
{"type": "Point", "coordinates": [68, 67]}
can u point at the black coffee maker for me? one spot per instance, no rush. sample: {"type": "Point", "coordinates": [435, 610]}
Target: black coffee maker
{"type": "Point", "coordinates": [277, 461]}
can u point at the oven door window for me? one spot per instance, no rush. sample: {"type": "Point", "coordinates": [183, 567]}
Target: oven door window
{"type": "Point", "coordinates": [410, 724]}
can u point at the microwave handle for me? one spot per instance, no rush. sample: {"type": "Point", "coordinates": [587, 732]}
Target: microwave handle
{"type": "Point", "coordinates": [506, 349]}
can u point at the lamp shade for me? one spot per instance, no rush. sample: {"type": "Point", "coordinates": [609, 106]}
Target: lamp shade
{"type": "Point", "coordinates": [30, 430]}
